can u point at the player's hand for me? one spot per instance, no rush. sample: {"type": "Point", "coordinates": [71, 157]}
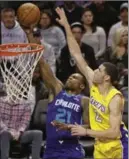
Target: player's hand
{"type": "Point", "coordinates": [63, 20]}
{"type": "Point", "coordinates": [78, 130]}
{"type": "Point", "coordinates": [28, 30]}
{"type": "Point", "coordinates": [61, 126]}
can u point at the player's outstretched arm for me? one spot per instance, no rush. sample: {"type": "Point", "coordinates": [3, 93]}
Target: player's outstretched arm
{"type": "Point", "coordinates": [49, 78]}
{"type": "Point", "coordinates": [74, 48]}
{"type": "Point", "coordinates": [51, 82]}
{"type": "Point", "coordinates": [115, 107]}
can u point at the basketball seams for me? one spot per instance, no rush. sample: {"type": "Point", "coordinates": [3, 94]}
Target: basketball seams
{"type": "Point", "coordinates": [22, 17]}
{"type": "Point", "coordinates": [25, 15]}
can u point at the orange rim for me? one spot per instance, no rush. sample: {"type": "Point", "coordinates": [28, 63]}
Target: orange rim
{"type": "Point", "coordinates": [5, 52]}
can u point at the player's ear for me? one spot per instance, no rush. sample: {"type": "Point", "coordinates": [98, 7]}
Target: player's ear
{"type": "Point", "coordinates": [107, 77]}
{"type": "Point", "coordinates": [82, 86]}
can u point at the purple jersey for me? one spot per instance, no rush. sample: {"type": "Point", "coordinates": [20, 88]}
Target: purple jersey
{"type": "Point", "coordinates": [60, 144]}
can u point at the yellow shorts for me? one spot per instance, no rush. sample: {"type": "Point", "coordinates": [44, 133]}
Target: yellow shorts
{"type": "Point", "coordinates": [111, 150]}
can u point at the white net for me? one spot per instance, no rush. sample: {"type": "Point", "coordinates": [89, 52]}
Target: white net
{"type": "Point", "coordinates": [17, 71]}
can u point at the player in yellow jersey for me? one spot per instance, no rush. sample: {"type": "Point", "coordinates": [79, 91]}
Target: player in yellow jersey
{"type": "Point", "coordinates": [106, 104]}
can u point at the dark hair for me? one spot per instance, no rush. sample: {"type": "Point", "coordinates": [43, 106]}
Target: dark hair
{"type": "Point", "coordinates": [48, 12]}
{"type": "Point", "coordinates": [8, 10]}
{"type": "Point", "coordinates": [84, 81]}
{"type": "Point", "coordinates": [112, 71]}
{"type": "Point", "coordinates": [78, 25]}
{"type": "Point", "coordinates": [93, 25]}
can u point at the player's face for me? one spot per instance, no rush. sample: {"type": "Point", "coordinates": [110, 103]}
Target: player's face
{"type": "Point", "coordinates": [8, 19]}
{"type": "Point", "coordinates": [87, 17]}
{"type": "Point", "coordinates": [100, 75]}
{"type": "Point", "coordinates": [45, 21]}
{"type": "Point", "coordinates": [77, 33]}
{"type": "Point", "coordinates": [74, 82]}
{"type": "Point", "coordinates": [124, 16]}
{"type": "Point", "coordinates": [124, 37]}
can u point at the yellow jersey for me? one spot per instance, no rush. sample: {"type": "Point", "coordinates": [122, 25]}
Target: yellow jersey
{"type": "Point", "coordinates": [99, 120]}
{"type": "Point", "coordinates": [99, 108]}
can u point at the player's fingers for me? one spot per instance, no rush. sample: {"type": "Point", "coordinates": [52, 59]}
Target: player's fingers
{"type": "Point", "coordinates": [73, 130]}
{"type": "Point", "coordinates": [74, 133]}
{"type": "Point", "coordinates": [57, 19]}
{"type": "Point", "coordinates": [70, 126]}
{"type": "Point", "coordinates": [63, 12]}
{"type": "Point", "coordinates": [58, 10]}
{"type": "Point", "coordinates": [76, 123]}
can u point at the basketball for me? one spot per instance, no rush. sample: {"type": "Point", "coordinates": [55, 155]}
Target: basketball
{"type": "Point", "coordinates": [28, 14]}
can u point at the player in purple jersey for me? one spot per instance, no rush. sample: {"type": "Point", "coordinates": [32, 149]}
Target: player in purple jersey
{"type": "Point", "coordinates": [67, 105]}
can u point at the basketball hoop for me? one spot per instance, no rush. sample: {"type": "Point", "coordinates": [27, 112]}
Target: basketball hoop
{"type": "Point", "coordinates": [22, 60]}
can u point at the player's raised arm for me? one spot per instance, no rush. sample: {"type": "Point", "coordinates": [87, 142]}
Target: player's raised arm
{"type": "Point", "coordinates": [49, 78]}
{"type": "Point", "coordinates": [51, 82]}
{"type": "Point", "coordinates": [74, 47]}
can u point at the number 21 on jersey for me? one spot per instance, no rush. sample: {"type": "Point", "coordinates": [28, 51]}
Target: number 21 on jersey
{"type": "Point", "coordinates": [63, 115]}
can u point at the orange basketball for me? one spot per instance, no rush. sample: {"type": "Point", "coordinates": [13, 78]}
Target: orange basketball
{"type": "Point", "coordinates": [28, 14]}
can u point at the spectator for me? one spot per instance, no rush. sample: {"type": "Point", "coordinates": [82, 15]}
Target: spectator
{"type": "Point", "coordinates": [105, 14]}
{"type": "Point", "coordinates": [51, 34]}
{"type": "Point", "coordinates": [120, 54]}
{"type": "Point", "coordinates": [67, 64]}
{"type": "Point", "coordinates": [14, 120]}
{"type": "Point", "coordinates": [94, 35]}
{"type": "Point", "coordinates": [122, 23]}
{"type": "Point", "coordinates": [10, 28]}
{"type": "Point", "coordinates": [73, 11]}
{"type": "Point", "coordinates": [11, 31]}
{"type": "Point", "coordinates": [79, 3]}
{"type": "Point", "coordinates": [49, 56]}
{"type": "Point", "coordinates": [48, 53]}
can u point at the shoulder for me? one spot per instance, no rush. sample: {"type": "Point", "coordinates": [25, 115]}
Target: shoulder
{"type": "Point", "coordinates": [52, 97]}
{"type": "Point", "coordinates": [46, 45]}
{"type": "Point", "coordinates": [56, 29]}
{"type": "Point", "coordinates": [116, 25]}
{"type": "Point", "coordinates": [117, 98]}
{"type": "Point", "coordinates": [117, 102]}
{"type": "Point", "coordinates": [100, 29]}
{"type": "Point", "coordinates": [17, 26]}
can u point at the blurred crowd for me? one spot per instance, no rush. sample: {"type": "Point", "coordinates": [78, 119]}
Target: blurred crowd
{"type": "Point", "coordinates": [100, 28]}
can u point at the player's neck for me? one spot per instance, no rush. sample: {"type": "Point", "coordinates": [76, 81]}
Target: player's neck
{"type": "Point", "coordinates": [105, 88]}
{"type": "Point", "coordinates": [72, 92]}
